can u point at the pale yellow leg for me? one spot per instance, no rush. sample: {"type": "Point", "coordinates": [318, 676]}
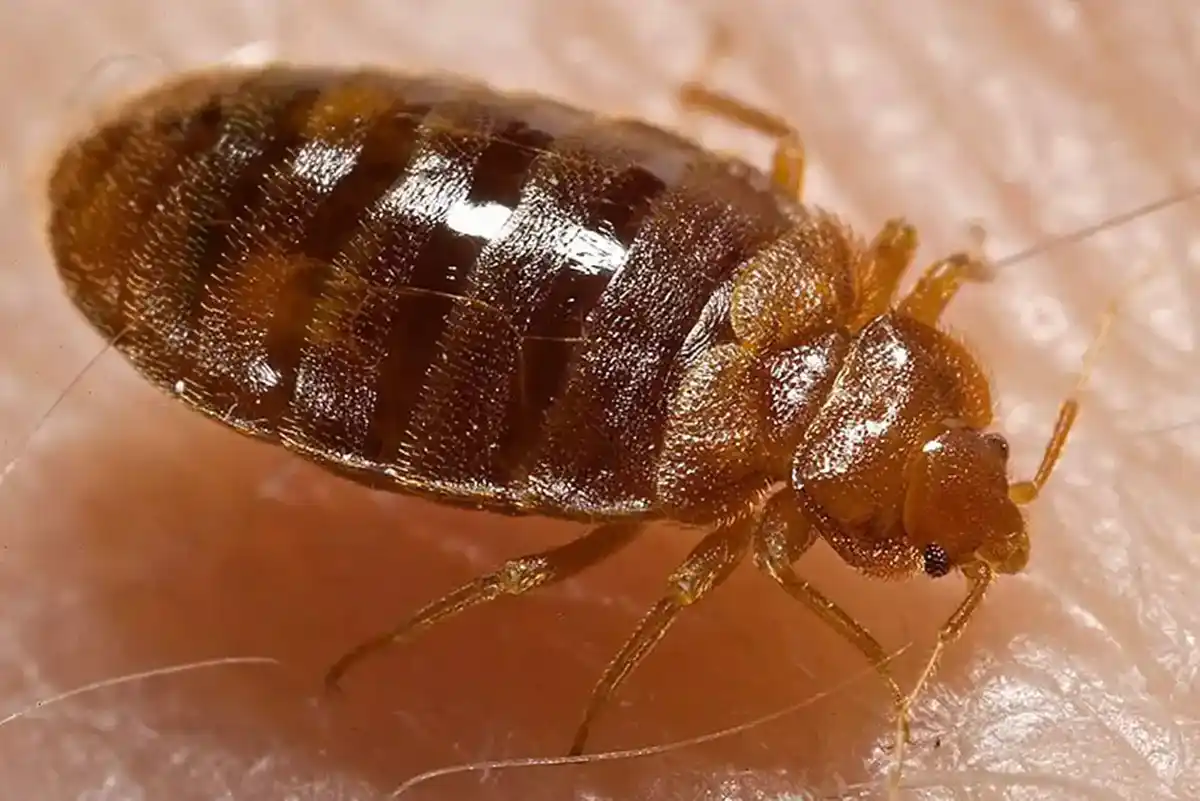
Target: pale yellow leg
{"type": "Point", "coordinates": [941, 282]}
{"type": "Point", "coordinates": [776, 548]}
{"type": "Point", "coordinates": [516, 577]}
{"type": "Point", "coordinates": [888, 258]}
{"type": "Point", "coordinates": [708, 565]}
{"type": "Point", "coordinates": [787, 162]}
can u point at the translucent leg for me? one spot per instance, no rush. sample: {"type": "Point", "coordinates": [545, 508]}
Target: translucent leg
{"type": "Point", "coordinates": [708, 565]}
{"type": "Point", "coordinates": [516, 577]}
{"type": "Point", "coordinates": [780, 542]}
{"type": "Point", "coordinates": [787, 162]}
{"type": "Point", "coordinates": [941, 282]}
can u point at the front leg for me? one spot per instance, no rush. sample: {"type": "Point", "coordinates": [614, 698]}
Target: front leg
{"type": "Point", "coordinates": [979, 579]}
{"type": "Point", "coordinates": [890, 256]}
{"type": "Point", "coordinates": [784, 536]}
{"type": "Point", "coordinates": [941, 282]}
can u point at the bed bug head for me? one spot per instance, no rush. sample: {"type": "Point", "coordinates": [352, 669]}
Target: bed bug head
{"type": "Point", "coordinates": [959, 508]}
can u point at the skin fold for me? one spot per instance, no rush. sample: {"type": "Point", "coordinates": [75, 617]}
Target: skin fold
{"type": "Point", "coordinates": [135, 535]}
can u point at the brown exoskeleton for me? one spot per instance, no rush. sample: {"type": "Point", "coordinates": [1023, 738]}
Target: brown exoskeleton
{"type": "Point", "coordinates": [504, 303]}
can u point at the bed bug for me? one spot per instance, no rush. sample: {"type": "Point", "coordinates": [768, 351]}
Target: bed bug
{"type": "Point", "coordinates": [508, 304]}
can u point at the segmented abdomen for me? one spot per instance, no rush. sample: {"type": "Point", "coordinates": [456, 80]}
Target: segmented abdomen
{"type": "Point", "coordinates": [417, 282]}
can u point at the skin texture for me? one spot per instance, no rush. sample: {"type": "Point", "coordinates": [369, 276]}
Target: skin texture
{"type": "Point", "coordinates": [137, 535]}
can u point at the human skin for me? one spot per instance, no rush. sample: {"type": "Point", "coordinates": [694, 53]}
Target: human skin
{"type": "Point", "coordinates": [137, 535]}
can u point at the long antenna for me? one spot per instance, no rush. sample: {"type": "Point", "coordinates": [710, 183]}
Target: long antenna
{"type": "Point", "coordinates": [1080, 234]}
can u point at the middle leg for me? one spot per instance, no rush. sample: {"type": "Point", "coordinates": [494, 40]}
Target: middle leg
{"type": "Point", "coordinates": [707, 567]}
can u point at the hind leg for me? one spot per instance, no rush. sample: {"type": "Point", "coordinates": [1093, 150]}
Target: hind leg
{"type": "Point", "coordinates": [516, 577]}
{"type": "Point", "coordinates": [787, 162]}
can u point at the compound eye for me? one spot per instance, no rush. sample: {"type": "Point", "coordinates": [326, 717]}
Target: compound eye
{"type": "Point", "coordinates": [937, 561]}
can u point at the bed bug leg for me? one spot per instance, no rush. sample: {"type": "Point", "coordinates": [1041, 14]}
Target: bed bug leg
{"type": "Point", "coordinates": [787, 169]}
{"type": "Point", "coordinates": [708, 565]}
{"type": "Point", "coordinates": [784, 537]}
{"type": "Point", "coordinates": [941, 282]}
{"type": "Point", "coordinates": [979, 577]}
{"type": "Point", "coordinates": [517, 577]}
{"type": "Point", "coordinates": [788, 160]}
{"type": "Point", "coordinates": [980, 574]}
{"type": "Point", "coordinates": [888, 258]}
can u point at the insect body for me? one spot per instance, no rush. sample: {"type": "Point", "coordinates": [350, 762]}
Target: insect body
{"type": "Point", "coordinates": [507, 304]}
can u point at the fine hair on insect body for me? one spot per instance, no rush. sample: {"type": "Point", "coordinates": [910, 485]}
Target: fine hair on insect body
{"type": "Point", "coordinates": [507, 304]}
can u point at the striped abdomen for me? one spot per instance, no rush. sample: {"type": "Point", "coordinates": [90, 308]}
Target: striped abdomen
{"type": "Point", "coordinates": [418, 283]}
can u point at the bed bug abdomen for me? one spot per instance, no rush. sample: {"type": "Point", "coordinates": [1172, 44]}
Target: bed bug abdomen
{"type": "Point", "coordinates": [417, 282]}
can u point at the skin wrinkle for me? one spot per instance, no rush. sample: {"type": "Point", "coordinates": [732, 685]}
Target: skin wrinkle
{"type": "Point", "coordinates": [135, 535]}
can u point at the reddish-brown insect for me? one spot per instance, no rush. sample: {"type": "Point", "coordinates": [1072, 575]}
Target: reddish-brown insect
{"type": "Point", "coordinates": [511, 305]}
